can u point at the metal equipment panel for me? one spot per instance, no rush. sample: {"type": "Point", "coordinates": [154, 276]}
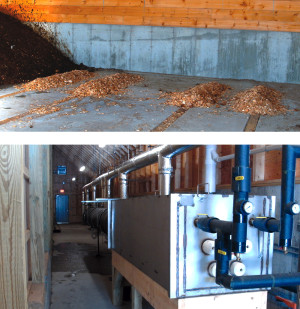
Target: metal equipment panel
{"type": "Point", "coordinates": [141, 234]}
{"type": "Point", "coordinates": [157, 235]}
{"type": "Point", "coordinates": [189, 272]}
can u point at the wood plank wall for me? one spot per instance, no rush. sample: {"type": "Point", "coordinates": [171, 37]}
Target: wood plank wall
{"type": "Point", "coordinates": [13, 266]}
{"type": "Point", "coordinates": [274, 15]}
{"type": "Point", "coordinates": [188, 172]}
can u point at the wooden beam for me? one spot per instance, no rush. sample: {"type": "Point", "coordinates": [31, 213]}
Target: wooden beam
{"type": "Point", "coordinates": [36, 213]}
{"type": "Point", "coordinates": [158, 297]}
{"type": "Point", "coordinates": [13, 265]}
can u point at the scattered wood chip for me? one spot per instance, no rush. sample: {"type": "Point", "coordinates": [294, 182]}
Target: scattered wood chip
{"type": "Point", "coordinates": [203, 95]}
{"type": "Point", "coordinates": [57, 80]}
{"type": "Point", "coordinates": [259, 100]}
{"type": "Point", "coordinates": [112, 84]}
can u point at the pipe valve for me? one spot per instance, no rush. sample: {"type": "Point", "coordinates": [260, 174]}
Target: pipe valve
{"type": "Point", "coordinates": [208, 246]}
{"type": "Point", "coordinates": [237, 268]}
{"type": "Point", "coordinates": [293, 208]}
{"type": "Point", "coordinates": [212, 269]}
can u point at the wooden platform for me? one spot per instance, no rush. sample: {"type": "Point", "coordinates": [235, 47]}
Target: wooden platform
{"type": "Point", "coordinates": [157, 296]}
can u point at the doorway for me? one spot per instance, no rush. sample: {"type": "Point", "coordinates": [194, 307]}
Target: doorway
{"type": "Point", "coordinates": [62, 209]}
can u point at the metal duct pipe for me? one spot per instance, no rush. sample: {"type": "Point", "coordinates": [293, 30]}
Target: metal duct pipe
{"type": "Point", "coordinates": [165, 170]}
{"type": "Point", "coordinates": [94, 193]}
{"type": "Point", "coordinates": [252, 152]}
{"type": "Point", "coordinates": [82, 205]}
{"type": "Point", "coordinates": [108, 183]}
{"type": "Point", "coordinates": [142, 160]}
{"type": "Point", "coordinates": [210, 169]}
{"type": "Point", "coordinates": [123, 185]}
{"type": "Point", "coordinates": [96, 218]}
{"type": "Point", "coordinates": [87, 194]}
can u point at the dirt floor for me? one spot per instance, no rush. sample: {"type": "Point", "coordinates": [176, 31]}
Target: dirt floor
{"type": "Point", "coordinates": [25, 55]}
{"type": "Point", "coordinates": [142, 108]}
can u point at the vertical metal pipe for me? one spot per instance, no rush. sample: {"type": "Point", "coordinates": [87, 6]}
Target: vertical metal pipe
{"type": "Point", "coordinates": [94, 193]}
{"type": "Point", "coordinates": [87, 195]}
{"type": "Point", "coordinates": [241, 186]}
{"type": "Point", "coordinates": [123, 185]}
{"type": "Point", "coordinates": [210, 170]}
{"type": "Point", "coordinates": [165, 170]}
{"type": "Point", "coordinates": [82, 204]}
{"type": "Point", "coordinates": [287, 194]}
{"type": "Point", "coordinates": [108, 183]}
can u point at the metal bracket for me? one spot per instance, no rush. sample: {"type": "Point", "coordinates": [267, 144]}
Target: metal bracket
{"type": "Point", "coordinates": [186, 200]}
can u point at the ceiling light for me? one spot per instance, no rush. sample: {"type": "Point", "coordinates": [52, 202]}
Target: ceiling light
{"type": "Point", "coordinates": [82, 168]}
{"type": "Point", "coordinates": [73, 179]}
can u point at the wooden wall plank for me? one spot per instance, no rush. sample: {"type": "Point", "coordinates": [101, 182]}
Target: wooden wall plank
{"type": "Point", "coordinates": [13, 266]}
{"type": "Point", "coordinates": [36, 213]}
{"type": "Point", "coordinates": [281, 15]}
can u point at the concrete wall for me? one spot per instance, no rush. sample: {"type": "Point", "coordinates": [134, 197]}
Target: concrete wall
{"type": "Point", "coordinates": [73, 189]}
{"type": "Point", "coordinates": [236, 54]}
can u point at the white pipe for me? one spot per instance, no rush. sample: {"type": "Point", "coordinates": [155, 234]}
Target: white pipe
{"type": "Point", "coordinates": [252, 152]}
{"type": "Point", "coordinates": [210, 169]}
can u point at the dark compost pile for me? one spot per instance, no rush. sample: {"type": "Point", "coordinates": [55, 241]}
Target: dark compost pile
{"type": "Point", "coordinates": [25, 55]}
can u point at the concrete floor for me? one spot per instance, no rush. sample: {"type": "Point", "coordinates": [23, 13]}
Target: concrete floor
{"type": "Point", "coordinates": [142, 109]}
{"type": "Point", "coordinates": [80, 279]}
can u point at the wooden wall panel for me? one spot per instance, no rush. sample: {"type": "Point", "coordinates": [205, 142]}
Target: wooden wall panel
{"type": "Point", "coordinates": [277, 15]}
{"type": "Point", "coordinates": [13, 264]}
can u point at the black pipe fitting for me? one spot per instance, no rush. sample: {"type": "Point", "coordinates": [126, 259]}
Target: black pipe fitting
{"type": "Point", "coordinates": [213, 225]}
{"type": "Point", "coordinates": [267, 224]}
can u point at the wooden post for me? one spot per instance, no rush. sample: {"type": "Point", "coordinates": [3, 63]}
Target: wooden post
{"type": "Point", "coordinates": [136, 299]}
{"type": "Point", "coordinates": [46, 196]}
{"type": "Point", "coordinates": [13, 263]}
{"type": "Point", "coordinates": [36, 213]}
{"type": "Point", "coordinates": [117, 288]}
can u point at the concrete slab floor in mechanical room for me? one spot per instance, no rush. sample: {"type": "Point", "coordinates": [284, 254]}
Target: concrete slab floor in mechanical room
{"type": "Point", "coordinates": [141, 108]}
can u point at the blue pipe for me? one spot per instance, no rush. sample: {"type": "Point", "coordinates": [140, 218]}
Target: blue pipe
{"type": "Point", "coordinates": [289, 155]}
{"type": "Point", "coordinates": [222, 254]}
{"type": "Point", "coordinates": [241, 186]}
{"type": "Point", "coordinates": [213, 225]}
{"type": "Point", "coordinates": [259, 281]}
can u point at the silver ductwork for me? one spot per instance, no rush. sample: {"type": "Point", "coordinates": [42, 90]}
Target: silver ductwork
{"type": "Point", "coordinates": [164, 171]}
{"type": "Point", "coordinates": [123, 186]}
{"type": "Point", "coordinates": [140, 161]}
{"type": "Point", "coordinates": [94, 193]}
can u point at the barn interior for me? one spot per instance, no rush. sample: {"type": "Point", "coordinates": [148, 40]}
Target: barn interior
{"type": "Point", "coordinates": [149, 226]}
{"type": "Point", "coordinates": [149, 66]}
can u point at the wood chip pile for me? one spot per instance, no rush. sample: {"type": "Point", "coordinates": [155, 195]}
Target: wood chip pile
{"type": "Point", "coordinates": [203, 95]}
{"type": "Point", "coordinates": [111, 84]}
{"type": "Point", "coordinates": [259, 100]}
{"type": "Point", "coordinates": [57, 80]}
